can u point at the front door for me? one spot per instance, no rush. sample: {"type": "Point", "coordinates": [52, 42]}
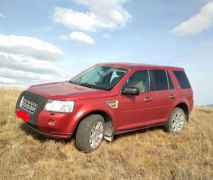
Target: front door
{"type": "Point", "coordinates": [135, 110]}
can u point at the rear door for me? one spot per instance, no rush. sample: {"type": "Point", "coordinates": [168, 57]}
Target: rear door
{"type": "Point", "coordinates": [162, 94]}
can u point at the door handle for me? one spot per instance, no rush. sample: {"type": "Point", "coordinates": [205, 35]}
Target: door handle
{"type": "Point", "coordinates": [147, 99]}
{"type": "Point", "coordinates": [171, 96]}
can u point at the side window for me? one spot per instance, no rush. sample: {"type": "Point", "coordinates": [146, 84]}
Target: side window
{"type": "Point", "coordinates": [158, 80]}
{"type": "Point", "coordinates": [171, 85]}
{"type": "Point", "coordinates": [140, 80]}
{"type": "Point", "coordinates": [182, 79]}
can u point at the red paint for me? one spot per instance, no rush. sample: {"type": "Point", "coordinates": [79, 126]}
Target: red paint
{"type": "Point", "coordinates": [23, 115]}
{"type": "Point", "coordinates": [132, 112]}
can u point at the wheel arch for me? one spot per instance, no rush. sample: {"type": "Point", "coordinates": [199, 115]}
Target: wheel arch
{"type": "Point", "coordinates": [106, 115]}
{"type": "Point", "coordinates": [185, 108]}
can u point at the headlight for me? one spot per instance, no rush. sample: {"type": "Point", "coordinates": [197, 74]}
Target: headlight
{"type": "Point", "coordinates": [60, 106]}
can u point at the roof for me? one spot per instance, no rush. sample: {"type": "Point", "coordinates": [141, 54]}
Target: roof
{"type": "Point", "coordinates": [138, 66]}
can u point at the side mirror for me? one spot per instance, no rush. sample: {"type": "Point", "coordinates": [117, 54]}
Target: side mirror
{"type": "Point", "coordinates": [130, 91]}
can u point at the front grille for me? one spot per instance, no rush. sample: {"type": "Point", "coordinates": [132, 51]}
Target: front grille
{"type": "Point", "coordinates": [28, 106]}
{"type": "Point", "coordinates": [31, 103]}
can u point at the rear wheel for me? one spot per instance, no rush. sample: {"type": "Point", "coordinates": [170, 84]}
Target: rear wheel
{"type": "Point", "coordinates": [90, 133]}
{"type": "Point", "coordinates": [177, 120]}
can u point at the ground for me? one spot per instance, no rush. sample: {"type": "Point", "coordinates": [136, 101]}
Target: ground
{"type": "Point", "coordinates": [149, 155]}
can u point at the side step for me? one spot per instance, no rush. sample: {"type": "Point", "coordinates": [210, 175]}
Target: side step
{"type": "Point", "coordinates": [109, 138]}
{"type": "Point", "coordinates": [109, 135]}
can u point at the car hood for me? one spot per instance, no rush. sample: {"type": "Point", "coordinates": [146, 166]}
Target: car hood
{"type": "Point", "coordinates": [66, 90]}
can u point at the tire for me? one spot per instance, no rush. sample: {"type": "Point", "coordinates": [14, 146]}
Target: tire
{"type": "Point", "coordinates": [90, 133]}
{"type": "Point", "coordinates": [177, 121]}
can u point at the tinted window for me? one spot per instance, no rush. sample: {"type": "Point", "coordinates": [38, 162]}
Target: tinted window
{"type": "Point", "coordinates": [182, 79]}
{"type": "Point", "coordinates": [171, 86]}
{"type": "Point", "coordinates": [158, 80]}
{"type": "Point", "coordinates": [140, 80]}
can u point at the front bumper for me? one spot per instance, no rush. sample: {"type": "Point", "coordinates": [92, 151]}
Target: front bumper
{"type": "Point", "coordinates": [47, 124]}
{"type": "Point", "coordinates": [57, 136]}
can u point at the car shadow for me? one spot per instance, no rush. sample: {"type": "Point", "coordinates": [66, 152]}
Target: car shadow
{"type": "Point", "coordinates": [140, 131]}
{"type": "Point", "coordinates": [43, 138]}
{"type": "Point", "coordinates": [39, 137]}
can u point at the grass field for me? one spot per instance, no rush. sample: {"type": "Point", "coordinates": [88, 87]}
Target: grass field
{"type": "Point", "coordinates": [148, 155]}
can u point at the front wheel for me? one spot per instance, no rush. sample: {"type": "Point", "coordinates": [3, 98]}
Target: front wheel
{"type": "Point", "coordinates": [177, 121]}
{"type": "Point", "coordinates": [90, 133]}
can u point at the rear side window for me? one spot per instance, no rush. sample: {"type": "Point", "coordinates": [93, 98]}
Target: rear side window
{"type": "Point", "coordinates": [158, 80]}
{"type": "Point", "coordinates": [182, 79]}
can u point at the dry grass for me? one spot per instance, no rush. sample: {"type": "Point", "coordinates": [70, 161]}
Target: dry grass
{"type": "Point", "coordinates": [152, 154]}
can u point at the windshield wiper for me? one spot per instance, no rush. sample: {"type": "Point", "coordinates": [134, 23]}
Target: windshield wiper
{"type": "Point", "coordinates": [73, 82]}
{"type": "Point", "coordinates": [88, 85]}
{"type": "Point", "coordinates": [92, 86]}
{"type": "Point", "coordinates": [83, 84]}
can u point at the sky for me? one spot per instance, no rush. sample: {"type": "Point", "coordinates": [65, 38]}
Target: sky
{"type": "Point", "coordinates": [53, 40]}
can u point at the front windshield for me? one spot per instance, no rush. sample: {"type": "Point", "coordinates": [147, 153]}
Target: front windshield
{"type": "Point", "coordinates": [99, 77]}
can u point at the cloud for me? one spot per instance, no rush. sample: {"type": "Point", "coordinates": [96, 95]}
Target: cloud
{"type": "Point", "coordinates": [76, 20]}
{"type": "Point", "coordinates": [26, 60]}
{"type": "Point", "coordinates": [2, 16]}
{"type": "Point", "coordinates": [104, 14]}
{"type": "Point", "coordinates": [198, 23]}
{"type": "Point", "coordinates": [22, 75]}
{"type": "Point", "coordinates": [27, 63]}
{"type": "Point", "coordinates": [29, 46]}
{"type": "Point", "coordinates": [81, 37]}
{"type": "Point", "coordinates": [4, 80]}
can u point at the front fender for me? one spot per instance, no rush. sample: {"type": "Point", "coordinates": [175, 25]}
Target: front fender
{"type": "Point", "coordinates": [84, 109]}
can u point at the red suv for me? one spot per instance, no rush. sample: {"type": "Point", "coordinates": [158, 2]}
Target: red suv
{"type": "Point", "coordinates": [106, 100]}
